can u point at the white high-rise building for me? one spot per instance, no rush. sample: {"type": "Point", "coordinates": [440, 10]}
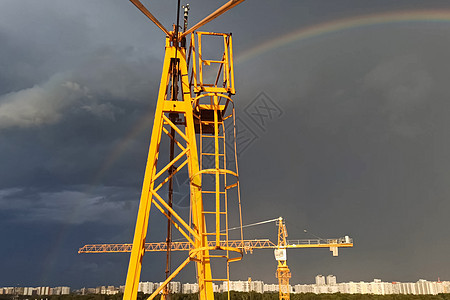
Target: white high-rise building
{"type": "Point", "coordinates": [190, 288]}
{"type": "Point", "coordinates": [146, 287]}
{"type": "Point", "coordinates": [238, 286]}
{"type": "Point", "coordinates": [174, 286]}
{"type": "Point", "coordinates": [271, 288]}
{"type": "Point", "coordinates": [256, 286]}
{"type": "Point", "coordinates": [320, 280]}
{"type": "Point", "coordinates": [60, 290]}
{"type": "Point", "coordinates": [331, 280]}
{"type": "Point", "coordinates": [28, 291]}
{"type": "Point", "coordinates": [303, 288]}
{"type": "Point", "coordinates": [376, 287]}
{"type": "Point", "coordinates": [43, 290]}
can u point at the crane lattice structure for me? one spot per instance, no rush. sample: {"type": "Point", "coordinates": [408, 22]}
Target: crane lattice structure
{"type": "Point", "coordinates": [190, 111]}
{"type": "Point", "coordinates": [247, 246]}
{"type": "Point", "coordinates": [283, 273]}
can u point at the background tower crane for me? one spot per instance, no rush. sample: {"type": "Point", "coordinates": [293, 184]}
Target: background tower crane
{"type": "Point", "coordinates": [283, 273]}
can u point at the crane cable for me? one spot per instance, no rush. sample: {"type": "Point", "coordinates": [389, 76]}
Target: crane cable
{"type": "Point", "coordinates": [253, 224]}
{"type": "Point", "coordinates": [243, 226]}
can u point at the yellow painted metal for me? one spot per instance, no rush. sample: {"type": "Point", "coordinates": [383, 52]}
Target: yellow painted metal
{"type": "Point", "coordinates": [224, 8]}
{"type": "Point", "coordinates": [245, 245]}
{"type": "Point", "coordinates": [225, 65]}
{"type": "Point", "coordinates": [166, 105]}
{"type": "Point", "coordinates": [283, 273]}
{"type": "Point", "coordinates": [212, 108]}
{"type": "Point", "coordinates": [149, 15]}
{"type": "Point", "coordinates": [179, 117]}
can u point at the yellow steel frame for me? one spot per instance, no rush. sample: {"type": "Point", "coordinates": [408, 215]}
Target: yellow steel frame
{"type": "Point", "coordinates": [150, 194]}
{"type": "Point", "coordinates": [168, 110]}
{"type": "Point", "coordinates": [214, 98]}
{"type": "Point", "coordinates": [183, 134]}
{"type": "Point", "coordinates": [225, 65]}
{"type": "Point", "coordinates": [283, 272]}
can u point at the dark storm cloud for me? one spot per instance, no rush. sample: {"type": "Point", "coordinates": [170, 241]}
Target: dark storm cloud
{"type": "Point", "coordinates": [74, 205]}
{"type": "Point", "coordinates": [361, 146]}
{"type": "Point", "coordinates": [83, 108]}
{"type": "Point", "coordinates": [406, 87]}
{"type": "Point", "coordinates": [68, 98]}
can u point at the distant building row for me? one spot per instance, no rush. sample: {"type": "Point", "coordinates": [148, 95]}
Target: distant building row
{"type": "Point", "coordinates": [189, 288]}
{"type": "Point", "coordinates": [30, 291]}
{"type": "Point", "coordinates": [377, 287]}
{"type": "Point", "coordinates": [104, 290]}
{"type": "Point", "coordinates": [322, 286]}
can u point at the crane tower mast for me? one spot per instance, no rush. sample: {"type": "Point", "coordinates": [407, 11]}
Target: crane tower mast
{"type": "Point", "coordinates": [283, 273]}
{"type": "Point", "coordinates": [190, 115]}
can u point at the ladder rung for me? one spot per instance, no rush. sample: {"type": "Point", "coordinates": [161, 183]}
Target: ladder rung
{"type": "Point", "coordinates": [210, 122]}
{"type": "Point", "coordinates": [215, 89]}
{"type": "Point", "coordinates": [213, 212]}
{"type": "Point", "coordinates": [212, 192]}
{"type": "Point", "coordinates": [211, 280]}
{"type": "Point", "coordinates": [218, 256]}
{"type": "Point", "coordinates": [212, 174]}
{"type": "Point", "coordinates": [212, 136]}
{"type": "Point", "coordinates": [206, 153]}
{"type": "Point", "coordinates": [231, 186]}
{"type": "Point", "coordinates": [213, 61]}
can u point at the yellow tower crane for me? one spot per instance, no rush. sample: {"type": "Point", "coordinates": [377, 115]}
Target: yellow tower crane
{"type": "Point", "coordinates": [190, 110]}
{"type": "Point", "coordinates": [283, 273]}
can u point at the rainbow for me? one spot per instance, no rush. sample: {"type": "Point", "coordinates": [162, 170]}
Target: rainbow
{"type": "Point", "coordinates": [144, 123]}
{"type": "Point", "coordinates": [339, 25]}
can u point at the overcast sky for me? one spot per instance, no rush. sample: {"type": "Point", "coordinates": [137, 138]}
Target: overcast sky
{"type": "Point", "coordinates": [358, 145]}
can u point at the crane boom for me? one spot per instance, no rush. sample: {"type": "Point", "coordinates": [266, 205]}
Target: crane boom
{"type": "Point", "coordinates": [246, 245]}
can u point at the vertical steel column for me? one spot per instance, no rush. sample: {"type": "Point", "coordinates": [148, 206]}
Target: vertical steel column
{"type": "Point", "coordinates": [150, 196]}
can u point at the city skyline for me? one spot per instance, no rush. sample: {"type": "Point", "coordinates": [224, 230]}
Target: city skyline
{"type": "Point", "coordinates": [322, 285]}
{"type": "Point", "coordinates": [358, 145]}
